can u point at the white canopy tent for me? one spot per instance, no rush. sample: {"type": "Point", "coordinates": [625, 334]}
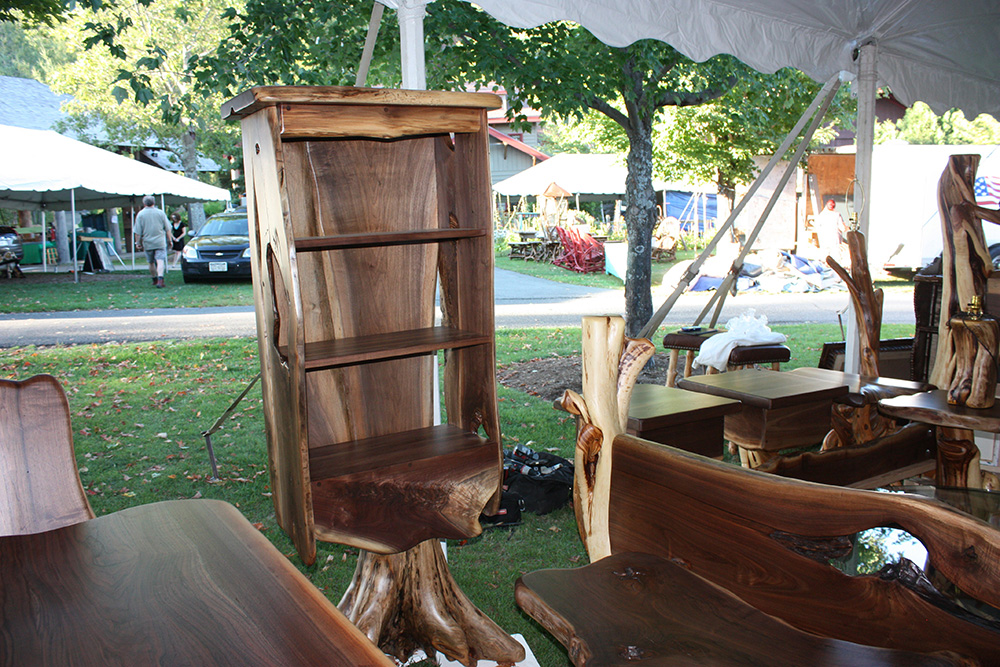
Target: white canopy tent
{"type": "Point", "coordinates": [44, 170]}
{"type": "Point", "coordinates": [946, 54]}
{"type": "Point", "coordinates": [584, 174]}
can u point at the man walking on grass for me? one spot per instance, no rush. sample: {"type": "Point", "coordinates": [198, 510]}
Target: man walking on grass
{"type": "Point", "coordinates": [152, 234]}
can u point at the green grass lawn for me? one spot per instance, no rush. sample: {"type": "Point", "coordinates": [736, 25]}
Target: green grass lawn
{"type": "Point", "coordinates": [119, 290]}
{"type": "Point", "coordinates": [138, 411]}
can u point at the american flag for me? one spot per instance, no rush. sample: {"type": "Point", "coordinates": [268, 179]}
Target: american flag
{"type": "Point", "coordinates": [987, 189]}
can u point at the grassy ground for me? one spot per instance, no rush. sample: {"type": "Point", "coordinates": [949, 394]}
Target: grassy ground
{"type": "Point", "coordinates": [138, 411]}
{"type": "Point", "coordinates": [118, 290]}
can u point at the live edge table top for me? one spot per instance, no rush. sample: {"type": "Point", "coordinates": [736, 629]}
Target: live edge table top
{"type": "Point", "coordinates": [932, 408]}
{"type": "Point", "coordinates": [185, 582]}
{"type": "Point", "coordinates": [764, 388]}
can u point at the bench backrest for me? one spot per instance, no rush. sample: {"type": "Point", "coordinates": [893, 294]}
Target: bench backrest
{"type": "Point", "coordinates": [768, 540]}
{"type": "Point", "coordinates": [39, 485]}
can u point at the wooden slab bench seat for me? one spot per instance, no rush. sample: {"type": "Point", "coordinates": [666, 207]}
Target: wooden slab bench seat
{"type": "Point", "coordinates": [766, 540]}
{"type": "Point", "coordinates": [635, 607]}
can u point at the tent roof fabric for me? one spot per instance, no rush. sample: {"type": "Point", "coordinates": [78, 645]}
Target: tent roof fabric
{"type": "Point", "coordinates": [946, 54]}
{"type": "Point", "coordinates": [42, 168]}
{"type": "Point", "coordinates": [586, 174]}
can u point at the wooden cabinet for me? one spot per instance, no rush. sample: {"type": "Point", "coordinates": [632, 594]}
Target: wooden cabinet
{"type": "Point", "coordinates": [365, 205]}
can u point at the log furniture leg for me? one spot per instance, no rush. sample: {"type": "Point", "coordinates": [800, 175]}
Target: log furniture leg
{"type": "Point", "coordinates": [958, 458]}
{"type": "Point", "coordinates": [409, 600]}
{"type": "Point", "coordinates": [672, 368]}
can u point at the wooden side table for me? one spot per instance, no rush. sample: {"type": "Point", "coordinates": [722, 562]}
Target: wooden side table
{"type": "Point", "coordinates": [958, 455]}
{"type": "Point", "coordinates": [683, 419]}
{"type": "Point", "coordinates": [779, 410]}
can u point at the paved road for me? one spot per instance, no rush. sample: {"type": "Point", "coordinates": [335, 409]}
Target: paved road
{"type": "Point", "coordinates": [521, 301]}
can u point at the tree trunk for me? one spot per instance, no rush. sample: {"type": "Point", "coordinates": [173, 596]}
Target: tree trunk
{"type": "Point", "coordinates": [63, 230]}
{"type": "Point", "coordinates": [189, 159]}
{"type": "Point", "coordinates": [640, 220]}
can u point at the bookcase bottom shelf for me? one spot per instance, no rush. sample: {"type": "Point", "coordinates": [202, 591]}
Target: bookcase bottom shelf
{"type": "Point", "coordinates": [388, 494]}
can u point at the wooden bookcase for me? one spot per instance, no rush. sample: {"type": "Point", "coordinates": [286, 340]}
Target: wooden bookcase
{"type": "Point", "coordinates": [364, 204]}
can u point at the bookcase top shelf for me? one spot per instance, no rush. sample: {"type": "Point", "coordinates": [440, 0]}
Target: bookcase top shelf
{"type": "Point", "coordinates": [259, 97]}
{"type": "Point", "coordinates": [371, 239]}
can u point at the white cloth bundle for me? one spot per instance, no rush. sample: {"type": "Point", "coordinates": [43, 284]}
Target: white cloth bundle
{"type": "Point", "coordinates": [747, 329]}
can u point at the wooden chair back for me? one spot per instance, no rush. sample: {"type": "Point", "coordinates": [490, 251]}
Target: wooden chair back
{"type": "Point", "coordinates": [769, 540]}
{"type": "Point", "coordinates": [40, 486]}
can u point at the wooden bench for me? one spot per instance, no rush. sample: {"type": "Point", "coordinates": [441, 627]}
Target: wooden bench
{"type": "Point", "coordinates": [699, 562]}
{"type": "Point", "coordinates": [714, 564]}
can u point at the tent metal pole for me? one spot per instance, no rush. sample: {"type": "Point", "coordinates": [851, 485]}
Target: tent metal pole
{"type": "Point", "coordinates": [132, 233]}
{"type": "Point", "coordinates": [737, 266]}
{"type": "Point", "coordinates": [825, 94]}
{"type": "Point", "coordinates": [865, 138]}
{"type": "Point", "coordinates": [366, 54]}
{"type": "Point", "coordinates": [45, 264]}
{"type": "Point", "coordinates": [72, 222]}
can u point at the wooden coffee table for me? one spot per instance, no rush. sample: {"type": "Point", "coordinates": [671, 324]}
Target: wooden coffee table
{"type": "Point", "coordinates": [779, 411]}
{"type": "Point", "coordinates": [183, 582]}
{"type": "Point", "coordinates": [683, 419]}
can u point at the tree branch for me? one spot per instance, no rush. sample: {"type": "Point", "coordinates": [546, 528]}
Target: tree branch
{"type": "Point", "coordinates": [597, 104]}
{"type": "Point", "coordinates": [687, 99]}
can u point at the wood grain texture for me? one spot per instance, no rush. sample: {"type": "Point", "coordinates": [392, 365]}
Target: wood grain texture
{"type": "Point", "coordinates": [259, 97]}
{"type": "Point", "coordinates": [640, 608]}
{"type": "Point", "coordinates": [365, 240]}
{"type": "Point", "coordinates": [465, 269]}
{"type": "Point", "coordinates": [668, 503]}
{"type": "Point", "coordinates": [349, 351]}
{"type": "Point", "coordinates": [977, 347]}
{"type": "Point", "coordinates": [40, 488]}
{"type": "Point", "coordinates": [764, 388]}
{"type": "Point", "coordinates": [279, 325]}
{"type": "Point", "coordinates": [932, 407]}
{"type": "Point", "coordinates": [775, 429]}
{"type": "Point", "coordinates": [867, 300]}
{"type": "Point", "coordinates": [965, 259]}
{"type": "Point", "coordinates": [172, 583]}
{"type": "Point", "coordinates": [909, 452]}
{"type": "Point", "coordinates": [312, 121]}
{"type": "Point", "coordinates": [409, 600]}
{"type": "Point", "coordinates": [390, 493]}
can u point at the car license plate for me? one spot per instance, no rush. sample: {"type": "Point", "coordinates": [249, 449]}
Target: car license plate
{"type": "Point", "coordinates": [218, 266]}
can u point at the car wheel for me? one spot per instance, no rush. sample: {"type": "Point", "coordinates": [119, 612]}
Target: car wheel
{"type": "Point", "coordinates": [189, 278]}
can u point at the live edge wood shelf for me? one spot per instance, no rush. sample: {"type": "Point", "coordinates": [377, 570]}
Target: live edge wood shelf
{"type": "Point", "coordinates": [363, 203]}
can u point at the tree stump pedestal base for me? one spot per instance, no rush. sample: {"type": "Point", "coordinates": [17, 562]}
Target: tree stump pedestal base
{"type": "Point", "coordinates": [409, 601]}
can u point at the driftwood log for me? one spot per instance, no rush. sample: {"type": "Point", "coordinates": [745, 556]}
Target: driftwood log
{"type": "Point", "coordinates": [977, 340]}
{"type": "Point", "coordinates": [965, 263]}
{"type": "Point", "coordinates": [611, 366]}
{"type": "Point", "coordinates": [409, 601]}
{"type": "Point", "coordinates": [853, 425]}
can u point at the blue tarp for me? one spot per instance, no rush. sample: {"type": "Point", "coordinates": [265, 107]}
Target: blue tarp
{"type": "Point", "coordinates": [679, 205]}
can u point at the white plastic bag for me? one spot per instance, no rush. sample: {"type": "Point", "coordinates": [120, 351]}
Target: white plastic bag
{"type": "Point", "coordinates": [746, 329]}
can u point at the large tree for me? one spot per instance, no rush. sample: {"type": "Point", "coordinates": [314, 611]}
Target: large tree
{"type": "Point", "coordinates": [558, 67]}
{"type": "Point", "coordinates": [131, 83]}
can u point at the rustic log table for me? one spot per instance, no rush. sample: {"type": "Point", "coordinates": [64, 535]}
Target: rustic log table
{"type": "Point", "coordinates": [184, 582]}
{"type": "Point", "coordinates": [957, 453]}
{"type": "Point", "coordinates": [779, 411]}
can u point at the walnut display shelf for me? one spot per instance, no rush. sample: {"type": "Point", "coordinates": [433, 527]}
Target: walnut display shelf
{"type": "Point", "coordinates": [343, 241]}
{"type": "Point", "coordinates": [365, 204]}
{"type": "Point", "coordinates": [397, 344]}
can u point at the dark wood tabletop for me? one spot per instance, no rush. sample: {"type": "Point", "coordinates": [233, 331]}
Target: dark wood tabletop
{"type": "Point", "coordinates": [932, 408]}
{"type": "Point", "coordinates": [764, 388]}
{"type": "Point", "coordinates": [855, 383]}
{"type": "Point", "coordinates": [184, 582]}
{"type": "Point", "coordinates": [656, 406]}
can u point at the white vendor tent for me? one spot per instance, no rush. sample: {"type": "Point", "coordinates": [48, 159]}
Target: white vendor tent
{"type": "Point", "coordinates": [944, 53]}
{"type": "Point", "coordinates": [591, 176]}
{"type": "Point", "coordinates": [44, 170]}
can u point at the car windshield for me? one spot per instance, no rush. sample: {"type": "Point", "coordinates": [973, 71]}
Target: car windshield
{"type": "Point", "coordinates": [226, 227]}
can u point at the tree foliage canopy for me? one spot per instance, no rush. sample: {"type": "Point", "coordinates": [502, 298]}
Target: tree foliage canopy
{"type": "Point", "coordinates": [920, 125]}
